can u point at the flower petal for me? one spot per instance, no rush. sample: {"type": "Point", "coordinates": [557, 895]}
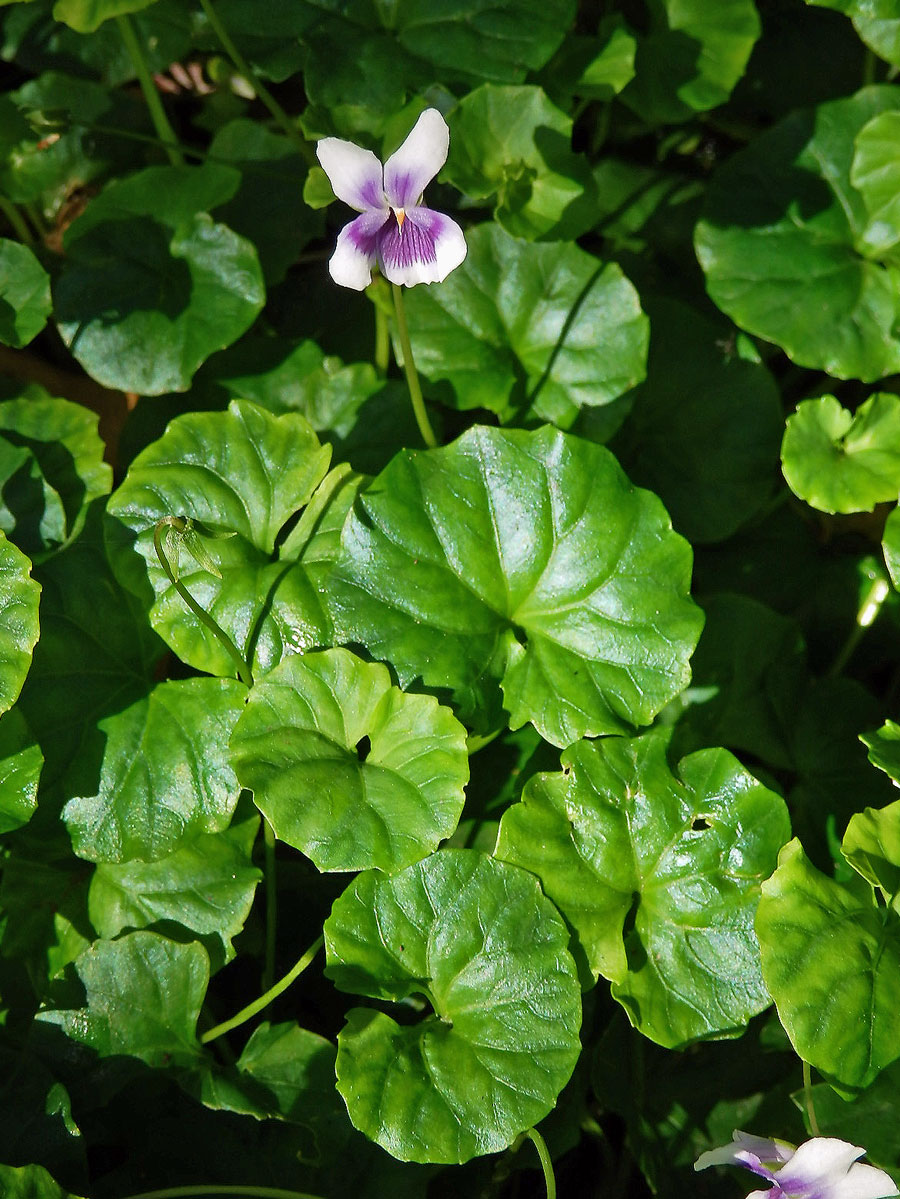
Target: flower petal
{"type": "Point", "coordinates": [409, 169]}
{"type": "Point", "coordinates": [863, 1182]}
{"type": "Point", "coordinates": [425, 249]}
{"type": "Point", "coordinates": [749, 1151]}
{"type": "Point", "coordinates": [826, 1168]}
{"type": "Point", "coordinates": [355, 252]}
{"type": "Point", "coordinates": [355, 174]}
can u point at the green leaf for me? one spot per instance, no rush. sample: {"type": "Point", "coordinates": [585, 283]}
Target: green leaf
{"type": "Point", "coordinates": [84, 16]}
{"type": "Point", "coordinates": [478, 939]}
{"type": "Point", "coordinates": [891, 546]}
{"type": "Point", "coordinates": [704, 427]}
{"type": "Point", "coordinates": [243, 471]}
{"type": "Point", "coordinates": [875, 174]}
{"type": "Point", "coordinates": [57, 473]}
{"type": "Point", "coordinates": [831, 962]}
{"type": "Point", "coordinates": [44, 900]}
{"type": "Point", "coordinates": [781, 236]}
{"type": "Point", "coordinates": [30, 1182]}
{"type": "Point", "coordinates": [206, 886]}
{"type": "Point", "coordinates": [871, 845]}
{"type": "Point", "coordinates": [884, 749]}
{"type": "Point", "coordinates": [165, 775]}
{"type": "Point", "coordinates": [526, 559]}
{"type": "Point", "coordinates": [346, 767]}
{"type": "Point", "coordinates": [21, 762]}
{"type": "Point", "coordinates": [143, 996]}
{"type": "Point", "coordinates": [24, 294]}
{"type": "Point", "coordinates": [690, 58]}
{"type": "Point", "coordinates": [617, 834]}
{"type": "Point", "coordinates": [840, 461]}
{"type": "Point", "coordinates": [568, 334]}
{"type": "Point", "coordinates": [876, 22]}
{"type": "Point", "coordinates": [580, 69]}
{"type": "Point", "coordinates": [512, 143]}
{"type": "Point", "coordinates": [152, 285]}
{"type": "Point", "coordinates": [19, 625]}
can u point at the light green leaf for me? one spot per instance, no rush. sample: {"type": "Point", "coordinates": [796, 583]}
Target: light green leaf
{"type": "Point", "coordinates": [206, 886]}
{"type": "Point", "coordinates": [840, 461]}
{"type": "Point", "coordinates": [875, 173]}
{"type": "Point", "coordinates": [891, 546]}
{"type": "Point", "coordinates": [19, 625]}
{"type": "Point", "coordinates": [346, 767]}
{"type": "Point", "coordinates": [691, 56]}
{"type": "Point", "coordinates": [24, 294]}
{"type": "Point", "coordinates": [143, 996]}
{"type": "Point", "coordinates": [831, 962]}
{"type": "Point", "coordinates": [780, 243]}
{"type": "Point", "coordinates": [478, 939]}
{"type": "Point", "coordinates": [884, 748]}
{"type": "Point", "coordinates": [29, 1182]}
{"type": "Point", "coordinates": [593, 67]}
{"type": "Point", "coordinates": [876, 21]}
{"type": "Point", "coordinates": [616, 833]}
{"type": "Point", "coordinates": [21, 762]}
{"type": "Point", "coordinates": [243, 471]}
{"type": "Point", "coordinates": [526, 559]}
{"type": "Point", "coordinates": [165, 776]}
{"type": "Point", "coordinates": [871, 845]}
{"type": "Point", "coordinates": [84, 16]}
{"type": "Point", "coordinates": [520, 326]}
{"type": "Point", "coordinates": [152, 285]}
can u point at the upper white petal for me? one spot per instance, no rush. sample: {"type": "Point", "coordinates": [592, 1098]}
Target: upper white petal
{"type": "Point", "coordinates": [355, 174]}
{"type": "Point", "coordinates": [411, 168]}
{"type": "Point", "coordinates": [863, 1182]}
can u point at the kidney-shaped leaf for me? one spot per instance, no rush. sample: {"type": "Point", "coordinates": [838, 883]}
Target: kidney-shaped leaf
{"type": "Point", "coordinates": [84, 16]}
{"type": "Point", "coordinates": [876, 21]}
{"type": "Point", "coordinates": [19, 625]}
{"type": "Point", "coordinates": [165, 776]}
{"type": "Point", "coordinates": [524, 558]}
{"type": "Point", "coordinates": [875, 174]}
{"type": "Point", "coordinates": [21, 762]}
{"type": "Point", "coordinates": [840, 461]}
{"type": "Point", "coordinates": [871, 845]}
{"type": "Point", "coordinates": [831, 962]}
{"type": "Point", "coordinates": [24, 294]}
{"type": "Point", "coordinates": [523, 324]}
{"type": "Point", "coordinates": [782, 243]}
{"type": "Point", "coordinates": [478, 939]}
{"type": "Point", "coordinates": [30, 1182]}
{"type": "Point", "coordinates": [346, 767]}
{"type": "Point", "coordinates": [152, 285]}
{"type": "Point", "coordinates": [616, 832]}
{"type": "Point", "coordinates": [243, 471]}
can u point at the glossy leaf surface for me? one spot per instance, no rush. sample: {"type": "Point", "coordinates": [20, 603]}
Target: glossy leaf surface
{"type": "Point", "coordinates": [19, 629]}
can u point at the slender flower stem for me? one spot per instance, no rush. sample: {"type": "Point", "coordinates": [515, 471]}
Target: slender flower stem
{"type": "Point", "coordinates": [175, 522]}
{"type": "Point", "coordinates": [258, 1005]}
{"type": "Point", "coordinates": [382, 342]}
{"type": "Point", "coordinates": [260, 1192]}
{"type": "Point", "coordinates": [268, 976]}
{"type": "Point", "coordinates": [409, 367]}
{"type": "Point", "coordinates": [244, 68]}
{"type": "Point", "coordinates": [151, 95]}
{"type": "Point", "coordinates": [546, 1164]}
{"type": "Point", "coordinates": [810, 1107]}
{"type": "Point", "coordinates": [17, 221]}
{"type": "Point", "coordinates": [865, 617]}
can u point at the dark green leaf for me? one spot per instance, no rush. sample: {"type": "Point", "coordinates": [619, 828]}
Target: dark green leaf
{"type": "Point", "coordinates": [19, 628]}
{"type": "Point", "coordinates": [24, 294]}
{"type": "Point", "coordinates": [85, 15]}
{"type": "Point", "coordinates": [30, 1182]}
{"type": "Point", "coordinates": [21, 762]}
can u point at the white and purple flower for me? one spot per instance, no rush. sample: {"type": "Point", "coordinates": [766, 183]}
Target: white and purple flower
{"type": "Point", "coordinates": [409, 242]}
{"type": "Point", "coordinates": [821, 1168]}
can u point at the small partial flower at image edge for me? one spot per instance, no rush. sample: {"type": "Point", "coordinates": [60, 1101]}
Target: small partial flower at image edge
{"type": "Point", "coordinates": [821, 1168]}
{"type": "Point", "coordinates": [409, 242]}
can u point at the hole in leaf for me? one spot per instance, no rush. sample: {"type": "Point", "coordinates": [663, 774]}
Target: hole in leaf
{"type": "Point", "coordinates": [363, 746]}
{"type": "Point", "coordinates": [700, 823]}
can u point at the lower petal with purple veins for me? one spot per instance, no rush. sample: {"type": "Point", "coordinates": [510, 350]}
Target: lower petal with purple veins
{"type": "Point", "coordinates": [424, 249]}
{"type": "Point", "coordinates": [357, 249]}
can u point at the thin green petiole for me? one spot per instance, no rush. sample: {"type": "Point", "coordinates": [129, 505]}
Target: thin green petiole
{"type": "Point", "coordinates": [271, 905]}
{"type": "Point", "coordinates": [17, 221]}
{"type": "Point", "coordinates": [260, 1192]}
{"type": "Point", "coordinates": [175, 522]}
{"type": "Point", "coordinates": [810, 1106]}
{"type": "Point", "coordinates": [382, 342]}
{"type": "Point", "coordinates": [244, 68]}
{"type": "Point", "coordinates": [409, 367]}
{"type": "Point", "coordinates": [546, 1164]}
{"type": "Point", "coordinates": [151, 95]}
{"type": "Point", "coordinates": [258, 1005]}
{"type": "Point", "coordinates": [868, 611]}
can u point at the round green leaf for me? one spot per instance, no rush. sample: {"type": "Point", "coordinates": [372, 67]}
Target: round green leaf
{"type": "Point", "coordinates": [871, 845]}
{"type": "Point", "coordinates": [525, 558]}
{"type": "Point", "coordinates": [616, 833]}
{"type": "Point", "coordinates": [691, 56]}
{"type": "Point", "coordinates": [21, 762]}
{"type": "Point", "coordinates": [840, 461]}
{"type": "Point", "coordinates": [152, 285]}
{"type": "Point", "coordinates": [875, 174]}
{"type": "Point", "coordinates": [84, 16]}
{"type": "Point", "coordinates": [781, 236]}
{"type": "Point", "coordinates": [143, 996]}
{"type": "Point", "coordinates": [876, 21]}
{"type": "Point", "coordinates": [24, 294]}
{"type": "Point", "coordinates": [30, 1182]}
{"type": "Point", "coordinates": [884, 747]}
{"type": "Point", "coordinates": [346, 767]}
{"type": "Point", "coordinates": [165, 776]}
{"type": "Point", "coordinates": [520, 325]}
{"type": "Point", "coordinates": [478, 939]}
{"type": "Point", "coordinates": [19, 626]}
{"type": "Point", "coordinates": [891, 546]}
{"type": "Point", "coordinates": [244, 472]}
{"type": "Point", "coordinates": [831, 962]}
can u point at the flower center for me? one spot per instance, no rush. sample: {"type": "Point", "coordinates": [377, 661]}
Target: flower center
{"type": "Point", "coordinates": [400, 214]}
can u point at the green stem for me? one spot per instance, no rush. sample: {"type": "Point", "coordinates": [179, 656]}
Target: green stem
{"type": "Point", "coordinates": [382, 342]}
{"type": "Point", "coordinates": [244, 68]}
{"type": "Point", "coordinates": [175, 522]}
{"type": "Point", "coordinates": [810, 1108]}
{"type": "Point", "coordinates": [17, 221]}
{"type": "Point", "coordinates": [870, 62]}
{"type": "Point", "coordinates": [148, 87]}
{"type": "Point", "coordinates": [409, 367]}
{"type": "Point", "coordinates": [34, 215]}
{"type": "Point", "coordinates": [546, 1164]}
{"type": "Point", "coordinates": [271, 905]}
{"type": "Point", "coordinates": [258, 1005]}
{"type": "Point", "coordinates": [261, 1192]}
{"type": "Point", "coordinates": [865, 617]}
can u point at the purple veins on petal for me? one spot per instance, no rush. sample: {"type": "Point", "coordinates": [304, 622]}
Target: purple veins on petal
{"type": "Point", "coordinates": [402, 245]}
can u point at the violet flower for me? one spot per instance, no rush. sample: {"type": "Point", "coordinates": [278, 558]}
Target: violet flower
{"type": "Point", "coordinates": [821, 1168]}
{"type": "Point", "coordinates": [409, 242]}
